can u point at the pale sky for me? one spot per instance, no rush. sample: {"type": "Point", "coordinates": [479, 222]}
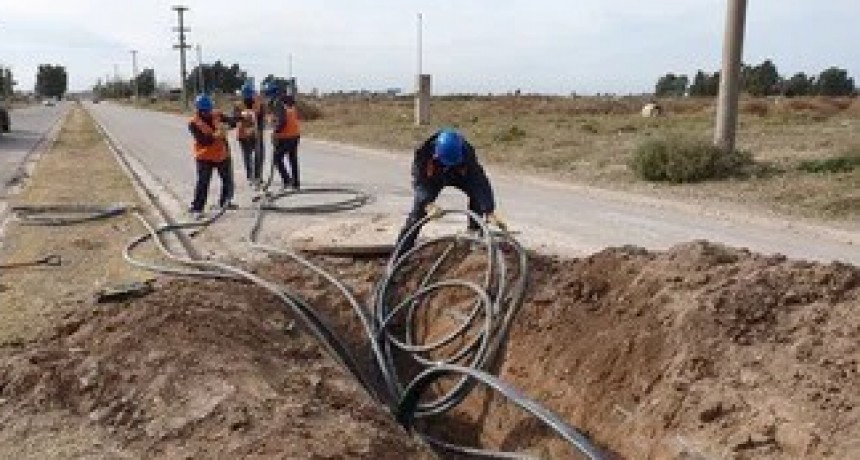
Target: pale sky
{"type": "Point", "coordinates": [550, 46]}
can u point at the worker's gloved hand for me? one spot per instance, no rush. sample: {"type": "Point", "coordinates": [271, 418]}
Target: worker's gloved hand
{"type": "Point", "coordinates": [433, 211]}
{"type": "Point", "coordinates": [494, 219]}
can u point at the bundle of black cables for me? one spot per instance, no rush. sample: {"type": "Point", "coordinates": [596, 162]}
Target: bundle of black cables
{"type": "Point", "coordinates": [416, 378]}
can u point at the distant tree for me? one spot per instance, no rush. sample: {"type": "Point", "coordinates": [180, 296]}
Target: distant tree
{"type": "Point", "coordinates": [284, 84]}
{"type": "Point", "coordinates": [672, 85]}
{"type": "Point", "coordinates": [798, 85]}
{"type": "Point", "coordinates": [146, 82]}
{"type": "Point", "coordinates": [217, 78]}
{"type": "Point", "coordinates": [51, 81]}
{"type": "Point", "coordinates": [835, 82]}
{"type": "Point", "coordinates": [705, 84]}
{"type": "Point", "coordinates": [7, 81]}
{"type": "Point", "coordinates": [762, 80]}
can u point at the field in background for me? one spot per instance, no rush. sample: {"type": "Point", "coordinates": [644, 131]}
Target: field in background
{"type": "Point", "coordinates": [807, 148]}
{"type": "Point", "coordinates": [590, 140]}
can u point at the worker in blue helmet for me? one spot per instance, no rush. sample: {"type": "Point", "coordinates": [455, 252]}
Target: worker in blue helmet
{"type": "Point", "coordinates": [286, 134]}
{"type": "Point", "coordinates": [211, 152]}
{"type": "Point", "coordinates": [250, 116]}
{"type": "Point", "coordinates": [447, 159]}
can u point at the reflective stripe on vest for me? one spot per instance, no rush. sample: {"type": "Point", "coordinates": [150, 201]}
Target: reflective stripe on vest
{"type": "Point", "coordinates": [217, 150]}
{"type": "Point", "coordinates": [291, 127]}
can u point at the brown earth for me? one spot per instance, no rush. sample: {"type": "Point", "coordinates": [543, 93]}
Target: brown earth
{"type": "Point", "coordinates": [702, 351]}
{"type": "Point", "coordinates": [196, 370]}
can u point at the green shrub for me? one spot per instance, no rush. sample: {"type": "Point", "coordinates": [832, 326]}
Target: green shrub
{"type": "Point", "coordinates": [847, 162]}
{"type": "Point", "coordinates": [680, 160]}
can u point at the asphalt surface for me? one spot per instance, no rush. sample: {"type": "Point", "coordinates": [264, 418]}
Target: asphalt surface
{"type": "Point", "coordinates": [29, 125]}
{"type": "Point", "coordinates": [549, 216]}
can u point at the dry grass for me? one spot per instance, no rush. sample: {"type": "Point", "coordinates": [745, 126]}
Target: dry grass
{"type": "Point", "coordinates": [33, 298]}
{"type": "Point", "coordinates": [591, 140]}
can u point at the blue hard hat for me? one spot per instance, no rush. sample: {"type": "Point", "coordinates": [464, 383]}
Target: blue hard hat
{"type": "Point", "coordinates": [248, 90]}
{"type": "Point", "coordinates": [449, 147]}
{"type": "Point", "coordinates": [271, 89]}
{"type": "Point", "coordinates": [204, 103]}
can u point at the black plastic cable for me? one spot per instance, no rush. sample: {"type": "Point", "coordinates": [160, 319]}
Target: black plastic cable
{"type": "Point", "coordinates": [391, 323]}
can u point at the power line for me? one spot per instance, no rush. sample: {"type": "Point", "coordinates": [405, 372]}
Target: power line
{"type": "Point", "coordinates": [182, 46]}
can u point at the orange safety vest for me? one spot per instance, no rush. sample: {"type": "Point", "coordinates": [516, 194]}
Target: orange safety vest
{"type": "Point", "coordinates": [248, 120]}
{"type": "Point", "coordinates": [291, 128]}
{"type": "Point", "coordinates": [217, 150]}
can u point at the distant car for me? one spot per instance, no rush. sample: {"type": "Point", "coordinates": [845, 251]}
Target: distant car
{"type": "Point", "coordinates": [49, 103]}
{"type": "Point", "coordinates": [5, 123]}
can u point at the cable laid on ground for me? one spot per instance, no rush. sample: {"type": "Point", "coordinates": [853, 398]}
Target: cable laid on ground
{"type": "Point", "coordinates": [496, 303]}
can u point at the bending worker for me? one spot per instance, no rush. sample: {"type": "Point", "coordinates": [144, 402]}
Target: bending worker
{"type": "Point", "coordinates": [447, 159]}
{"type": "Point", "coordinates": [286, 134]}
{"type": "Point", "coordinates": [211, 152]}
{"type": "Point", "coordinates": [250, 119]}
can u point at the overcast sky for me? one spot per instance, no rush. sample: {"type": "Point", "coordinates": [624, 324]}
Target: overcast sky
{"type": "Point", "coordinates": [553, 46]}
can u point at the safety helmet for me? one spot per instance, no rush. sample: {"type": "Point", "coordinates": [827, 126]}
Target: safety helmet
{"type": "Point", "coordinates": [271, 89]}
{"type": "Point", "coordinates": [449, 147]}
{"type": "Point", "coordinates": [247, 91]}
{"type": "Point", "coordinates": [204, 103]}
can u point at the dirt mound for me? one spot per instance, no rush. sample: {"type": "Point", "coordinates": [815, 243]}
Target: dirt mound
{"type": "Point", "coordinates": [701, 351]}
{"type": "Point", "coordinates": [697, 352]}
{"type": "Point", "coordinates": [199, 369]}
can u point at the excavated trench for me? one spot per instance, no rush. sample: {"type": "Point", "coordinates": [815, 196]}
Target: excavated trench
{"type": "Point", "coordinates": [701, 351]}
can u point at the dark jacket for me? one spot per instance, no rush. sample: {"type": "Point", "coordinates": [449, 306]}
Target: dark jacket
{"type": "Point", "coordinates": [205, 139]}
{"type": "Point", "coordinates": [469, 176]}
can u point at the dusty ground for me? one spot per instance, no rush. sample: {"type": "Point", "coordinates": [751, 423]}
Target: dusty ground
{"type": "Point", "coordinates": [590, 140]}
{"type": "Point", "coordinates": [196, 370]}
{"type": "Point", "coordinates": [698, 352]}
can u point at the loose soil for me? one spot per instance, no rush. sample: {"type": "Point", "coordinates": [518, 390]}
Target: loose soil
{"type": "Point", "coordinates": [701, 351]}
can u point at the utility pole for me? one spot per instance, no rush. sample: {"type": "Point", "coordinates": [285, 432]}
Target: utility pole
{"type": "Point", "coordinates": [134, 76]}
{"type": "Point", "coordinates": [727, 106]}
{"type": "Point", "coordinates": [290, 68]}
{"type": "Point", "coordinates": [423, 82]}
{"type": "Point", "coordinates": [201, 83]}
{"type": "Point", "coordinates": [182, 46]}
{"type": "Point", "coordinates": [420, 44]}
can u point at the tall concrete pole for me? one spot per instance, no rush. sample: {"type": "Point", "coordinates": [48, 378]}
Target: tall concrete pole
{"type": "Point", "coordinates": [134, 76]}
{"type": "Point", "coordinates": [420, 44]}
{"type": "Point", "coordinates": [423, 83]}
{"type": "Point", "coordinates": [201, 82]}
{"type": "Point", "coordinates": [727, 108]}
{"type": "Point", "coordinates": [182, 46]}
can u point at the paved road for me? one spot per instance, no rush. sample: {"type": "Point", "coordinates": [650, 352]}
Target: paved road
{"type": "Point", "coordinates": [552, 217]}
{"type": "Point", "coordinates": [28, 126]}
